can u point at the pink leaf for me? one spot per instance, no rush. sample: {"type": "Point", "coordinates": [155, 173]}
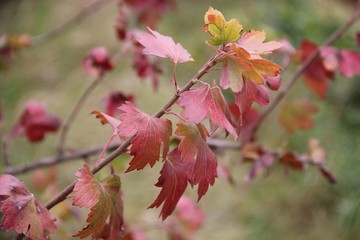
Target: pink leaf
{"type": "Point", "coordinates": [349, 63]}
{"type": "Point", "coordinates": [98, 62]}
{"type": "Point", "coordinates": [189, 213]}
{"type": "Point", "coordinates": [163, 46]}
{"type": "Point", "coordinates": [253, 42]}
{"type": "Point", "coordinates": [201, 102]}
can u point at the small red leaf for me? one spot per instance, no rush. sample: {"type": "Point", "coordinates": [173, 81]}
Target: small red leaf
{"type": "Point", "coordinates": [145, 67]}
{"type": "Point", "coordinates": [203, 101]}
{"type": "Point", "coordinates": [105, 219]}
{"type": "Point", "coordinates": [193, 146]}
{"type": "Point", "coordinates": [251, 92]}
{"type": "Point", "coordinates": [292, 161]}
{"type": "Point", "coordinates": [315, 75]}
{"type": "Point", "coordinates": [151, 134]}
{"type": "Point", "coordinates": [163, 46]}
{"type": "Point", "coordinates": [114, 100]}
{"type": "Point", "coordinates": [35, 122]}
{"type": "Point", "coordinates": [98, 62]}
{"type": "Point", "coordinates": [173, 181]}
{"type": "Point", "coordinates": [21, 211]}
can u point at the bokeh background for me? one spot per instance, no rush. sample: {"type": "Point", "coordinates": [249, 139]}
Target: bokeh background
{"type": "Point", "coordinates": [274, 206]}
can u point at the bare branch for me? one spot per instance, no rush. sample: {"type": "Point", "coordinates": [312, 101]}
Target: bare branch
{"type": "Point", "coordinates": [85, 153]}
{"type": "Point", "coordinates": [74, 113]}
{"type": "Point", "coordinates": [81, 15]}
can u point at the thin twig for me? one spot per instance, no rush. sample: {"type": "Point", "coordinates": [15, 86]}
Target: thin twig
{"type": "Point", "coordinates": [74, 113]}
{"type": "Point", "coordinates": [54, 160]}
{"type": "Point", "coordinates": [300, 69]}
{"type": "Point", "coordinates": [81, 15]}
{"type": "Point", "coordinates": [207, 66]}
{"type": "Point", "coordinates": [85, 153]}
{"type": "Point", "coordinates": [5, 140]}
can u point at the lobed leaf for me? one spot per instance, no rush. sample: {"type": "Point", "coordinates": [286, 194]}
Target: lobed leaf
{"type": "Point", "coordinates": [222, 31]}
{"type": "Point", "coordinates": [173, 181]}
{"type": "Point", "coordinates": [162, 46]}
{"type": "Point", "coordinates": [207, 101]}
{"type": "Point", "coordinates": [253, 42]}
{"type": "Point", "coordinates": [22, 212]}
{"type": "Point", "coordinates": [194, 149]}
{"type": "Point", "coordinates": [105, 219]}
{"type": "Point", "coordinates": [151, 134]}
{"type": "Point", "coordinates": [239, 66]}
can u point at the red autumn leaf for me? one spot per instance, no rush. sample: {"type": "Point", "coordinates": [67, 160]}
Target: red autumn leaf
{"type": "Point", "coordinates": [349, 63]}
{"type": "Point", "coordinates": [105, 219]}
{"type": "Point", "coordinates": [122, 23]}
{"type": "Point", "coordinates": [291, 160]}
{"type": "Point", "coordinates": [151, 134]}
{"type": "Point", "coordinates": [35, 122]}
{"type": "Point", "coordinates": [297, 115]}
{"type": "Point", "coordinates": [315, 75]}
{"type": "Point", "coordinates": [250, 92]}
{"type": "Point", "coordinates": [145, 67]}
{"type": "Point", "coordinates": [22, 212]}
{"type": "Point", "coordinates": [173, 181]}
{"type": "Point", "coordinates": [98, 62]}
{"type": "Point", "coordinates": [200, 102]}
{"type": "Point", "coordinates": [162, 46]}
{"type": "Point", "coordinates": [114, 100]}
{"type": "Point", "coordinates": [250, 124]}
{"type": "Point", "coordinates": [193, 146]}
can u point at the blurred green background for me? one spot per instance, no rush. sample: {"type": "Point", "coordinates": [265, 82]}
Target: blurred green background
{"type": "Point", "coordinates": [279, 206]}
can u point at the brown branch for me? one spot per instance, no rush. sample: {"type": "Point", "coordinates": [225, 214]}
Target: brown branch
{"type": "Point", "coordinates": [300, 69]}
{"type": "Point", "coordinates": [74, 112]}
{"type": "Point", "coordinates": [54, 160]}
{"type": "Point", "coordinates": [81, 15]}
{"type": "Point", "coordinates": [5, 141]}
{"type": "Point", "coordinates": [85, 153]}
{"type": "Point", "coordinates": [207, 66]}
